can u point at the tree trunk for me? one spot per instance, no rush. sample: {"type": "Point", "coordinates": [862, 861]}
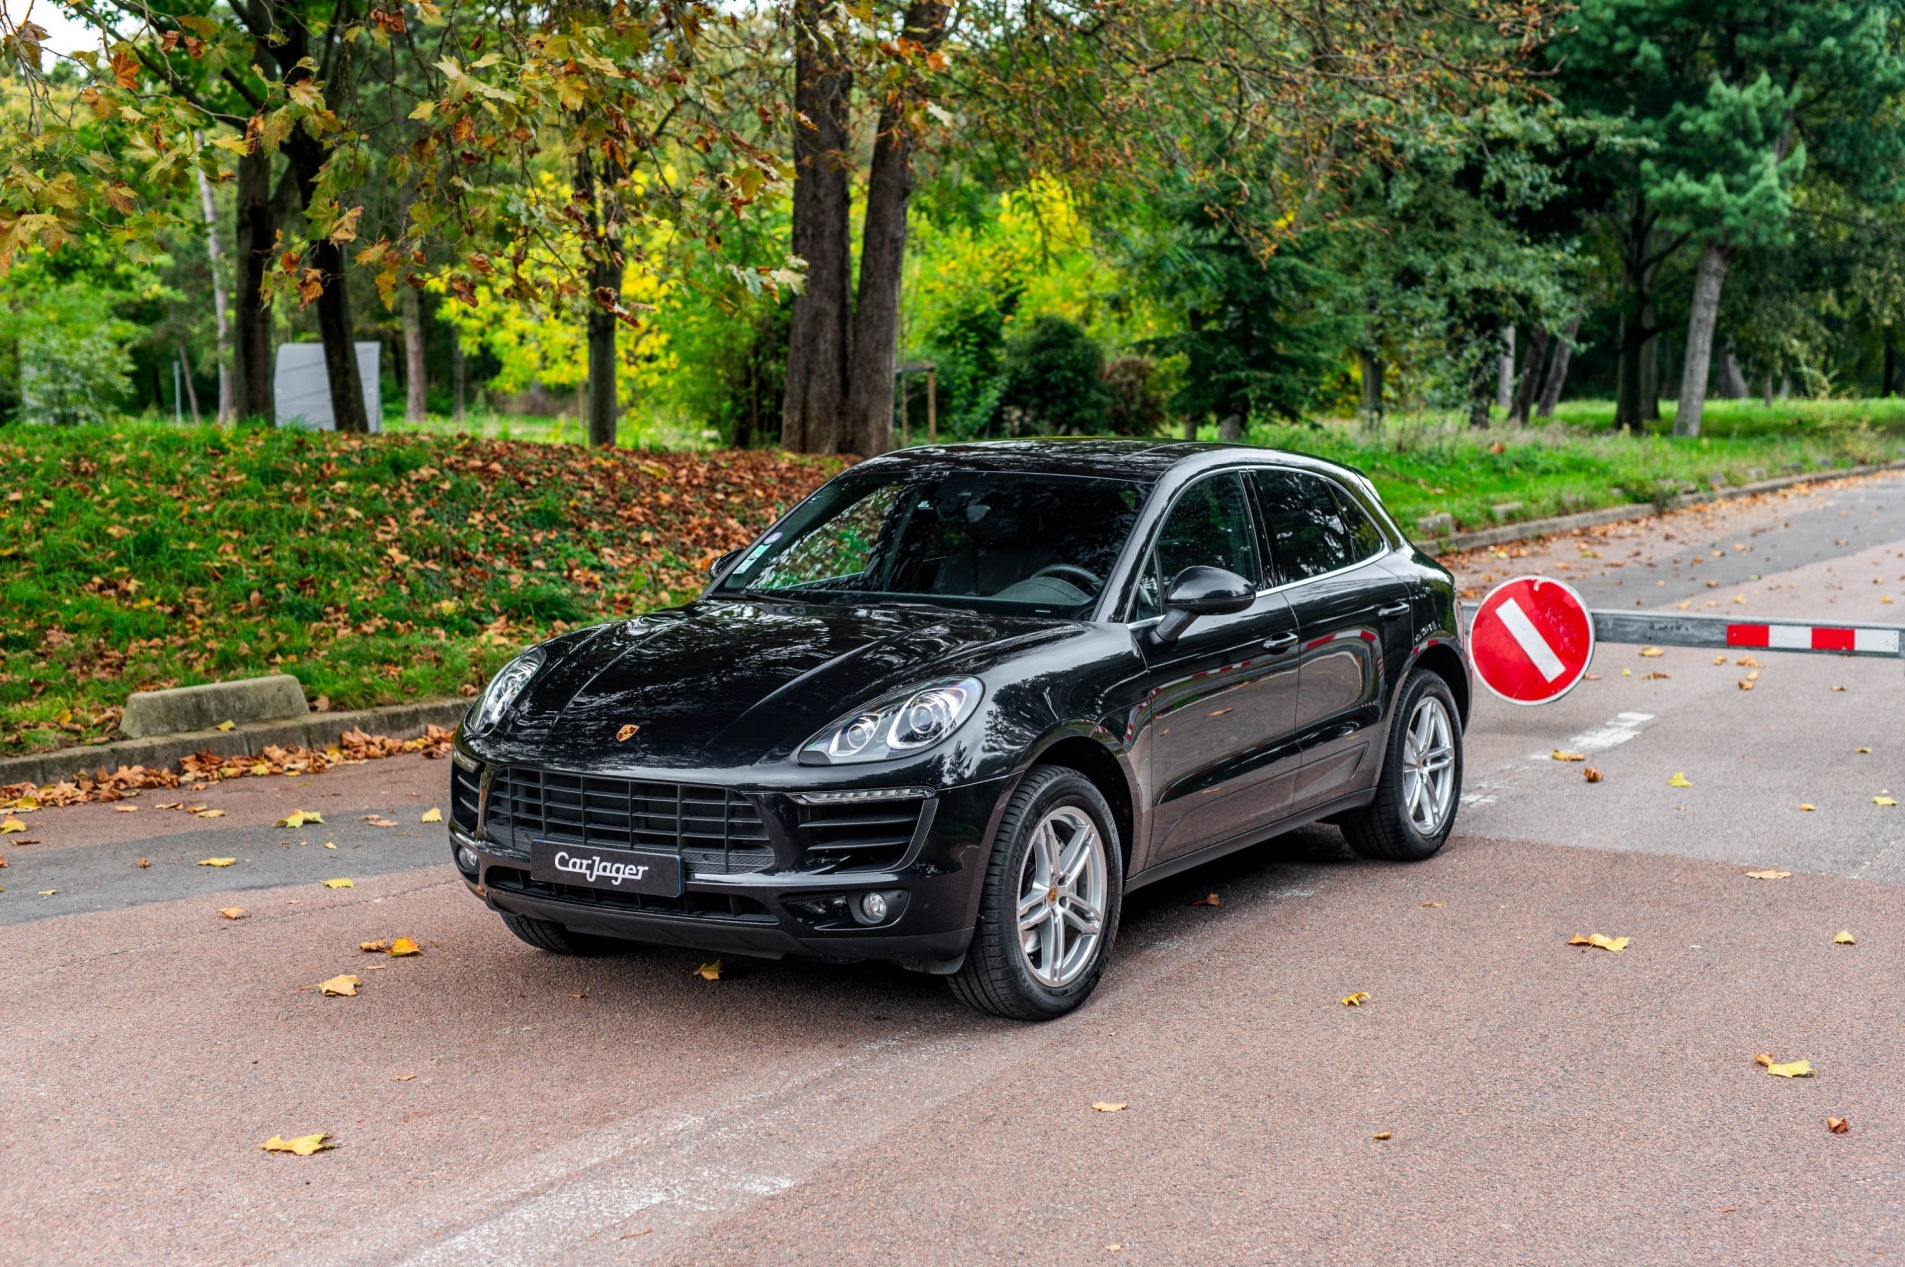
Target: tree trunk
{"type": "Point", "coordinates": [1505, 371]}
{"type": "Point", "coordinates": [817, 347]}
{"type": "Point", "coordinates": [1481, 386]}
{"type": "Point", "coordinates": [1558, 369]}
{"type": "Point", "coordinates": [1650, 366]}
{"type": "Point", "coordinates": [868, 426]}
{"type": "Point", "coordinates": [257, 230]}
{"type": "Point", "coordinates": [458, 374]}
{"type": "Point", "coordinates": [340, 346]}
{"type": "Point", "coordinates": [1732, 384]}
{"type": "Point", "coordinates": [191, 389]}
{"type": "Point", "coordinates": [1891, 366]}
{"type": "Point", "coordinates": [416, 405]}
{"type": "Point", "coordinates": [1373, 373]}
{"type": "Point", "coordinates": [209, 207]}
{"type": "Point", "coordinates": [1531, 362]}
{"type": "Point", "coordinates": [1627, 415]}
{"type": "Point", "coordinates": [1707, 281]}
{"type": "Point", "coordinates": [605, 285]}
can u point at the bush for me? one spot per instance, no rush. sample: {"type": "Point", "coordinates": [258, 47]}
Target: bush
{"type": "Point", "coordinates": [1136, 405]}
{"type": "Point", "coordinates": [68, 378]}
{"type": "Point", "coordinates": [1055, 378]}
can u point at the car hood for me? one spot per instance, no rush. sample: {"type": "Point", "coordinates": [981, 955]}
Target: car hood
{"type": "Point", "coordinates": [733, 683]}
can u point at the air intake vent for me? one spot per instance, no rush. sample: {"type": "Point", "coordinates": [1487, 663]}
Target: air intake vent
{"type": "Point", "coordinates": [716, 831]}
{"type": "Point", "coordinates": [463, 795]}
{"type": "Point", "coordinates": [871, 836]}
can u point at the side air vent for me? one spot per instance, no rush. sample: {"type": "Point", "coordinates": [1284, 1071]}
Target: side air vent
{"type": "Point", "coordinates": [860, 836]}
{"type": "Point", "coordinates": [464, 799]}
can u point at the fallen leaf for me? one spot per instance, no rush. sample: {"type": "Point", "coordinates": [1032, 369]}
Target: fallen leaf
{"type": "Point", "coordinates": [170, 805]}
{"type": "Point", "coordinates": [404, 946]}
{"type": "Point", "coordinates": [1866, 750]}
{"type": "Point", "coordinates": [1719, 659]}
{"type": "Point", "coordinates": [1558, 755]}
{"type": "Point", "coordinates": [579, 996]}
{"type": "Point", "coordinates": [216, 862]}
{"type": "Point", "coordinates": [1748, 662]}
{"type": "Point", "coordinates": [1753, 676]}
{"type": "Point", "coordinates": [402, 1077]}
{"type": "Point", "coordinates": [329, 845]}
{"type": "Point", "coordinates": [1838, 1125]}
{"type": "Point", "coordinates": [709, 971]}
{"type": "Point", "coordinates": [1679, 780]}
{"type": "Point", "coordinates": [1746, 686]}
{"type": "Point", "coordinates": [1651, 652]}
{"type": "Point", "coordinates": [1114, 1246]}
{"type": "Point", "coordinates": [1615, 944]}
{"type": "Point", "coordinates": [48, 892]}
{"type": "Point", "coordinates": [1806, 807]}
{"type": "Point", "coordinates": [432, 815]}
{"type": "Point", "coordinates": [143, 862]}
{"type": "Point", "coordinates": [299, 817]}
{"type": "Point", "coordinates": [1106, 1106]}
{"type": "Point", "coordinates": [1838, 688]}
{"type": "Point", "coordinates": [1627, 673]}
{"type": "Point", "coordinates": [210, 813]}
{"type": "Point", "coordinates": [1655, 676]}
{"type": "Point", "coordinates": [1764, 1058]}
{"type": "Point", "coordinates": [303, 1145]}
{"type": "Point", "coordinates": [375, 821]}
{"type": "Point", "coordinates": [11, 824]}
{"type": "Point", "coordinates": [375, 947]}
{"type": "Point", "coordinates": [125, 809]}
{"type": "Point", "coordinates": [1767, 875]}
{"type": "Point", "coordinates": [232, 912]}
{"type": "Point", "coordinates": [344, 883]}
{"type": "Point", "coordinates": [1844, 939]}
{"type": "Point", "coordinates": [1791, 1069]}
{"type": "Point", "coordinates": [1209, 899]}
{"type": "Point", "coordinates": [344, 984]}
{"type": "Point", "coordinates": [1591, 774]}
{"type": "Point", "coordinates": [1883, 800]}
{"type": "Point", "coordinates": [626, 733]}
{"type": "Point", "coordinates": [1432, 904]}
{"type": "Point", "coordinates": [226, 725]}
{"type": "Point", "coordinates": [1384, 1135]}
{"type": "Point", "coordinates": [1355, 1000]}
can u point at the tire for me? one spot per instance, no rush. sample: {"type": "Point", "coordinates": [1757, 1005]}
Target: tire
{"type": "Point", "coordinates": [1042, 823]}
{"type": "Point", "coordinates": [1414, 809]}
{"type": "Point", "coordinates": [557, 939]}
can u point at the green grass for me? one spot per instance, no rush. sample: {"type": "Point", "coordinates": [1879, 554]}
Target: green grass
{"type": "Point", "coordinates": [375, 570]}
{"type": "Point", "coordinates": [633, 431]}
{"type": "Point", "coordinates": [1431, 464]}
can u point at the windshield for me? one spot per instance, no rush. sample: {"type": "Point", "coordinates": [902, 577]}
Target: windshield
{"type": "Point", "coordinates": [1035, 543]}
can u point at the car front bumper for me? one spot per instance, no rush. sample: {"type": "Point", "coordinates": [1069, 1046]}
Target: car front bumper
{"type": "Point", "coordinates": [770, 914]}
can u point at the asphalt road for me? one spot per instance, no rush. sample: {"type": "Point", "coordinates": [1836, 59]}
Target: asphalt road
{"type": "Point", "coordinates": [493, 1104]}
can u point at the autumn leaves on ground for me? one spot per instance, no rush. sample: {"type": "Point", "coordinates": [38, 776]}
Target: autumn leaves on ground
{"type": "Point", "coordinates": [374, 570]}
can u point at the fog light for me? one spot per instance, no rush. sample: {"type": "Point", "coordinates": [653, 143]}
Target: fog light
{"type": "Point", "coordinates": [873, 907]}
{"type": "Point", "coordinates": [466, 857]}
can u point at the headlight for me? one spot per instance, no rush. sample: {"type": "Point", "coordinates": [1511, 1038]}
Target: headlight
{"type": "Point", "coordinates": [896, 726]}
{"type": "Point", "coordinates": [502, 691]}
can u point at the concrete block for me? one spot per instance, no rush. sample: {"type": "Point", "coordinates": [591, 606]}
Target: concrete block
{"type": "Point", "coordinates": [1505, 511]}
{"type": "Point", "coordinates": [1716, 480]}
{"type": "Point", "coordinates": [1439, 525]}
{"type": "Point", "coordinates": [201, 707]}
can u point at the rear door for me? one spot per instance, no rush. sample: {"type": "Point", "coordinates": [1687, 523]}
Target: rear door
{"type": "Point", "coordinates": [1350, 612]}
{"type": "Point", "coordinates": [1223, 697]}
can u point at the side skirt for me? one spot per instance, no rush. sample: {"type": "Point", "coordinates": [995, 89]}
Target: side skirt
{"type": "Point", "coordinates": [1165, 870]}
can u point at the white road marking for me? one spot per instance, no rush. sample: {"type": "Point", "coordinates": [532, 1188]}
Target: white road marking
{"type": "Point", "coordinates": [1529, 639]}
{"type": "Point", "coordinates": [1611, 734]}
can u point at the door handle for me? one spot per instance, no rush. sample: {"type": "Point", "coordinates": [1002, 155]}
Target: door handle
{"type": "Point", "coordinates": [1393, 610]}
{"type": "Point", "coordinates": [1282, 642]}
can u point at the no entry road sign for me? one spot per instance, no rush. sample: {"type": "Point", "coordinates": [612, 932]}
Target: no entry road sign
{"type": "Point", "coordinates": [1531, 640]}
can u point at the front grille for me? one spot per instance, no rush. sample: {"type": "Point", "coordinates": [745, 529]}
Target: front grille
{"type": "Point", "coordinates": [715, 831]}
{"type": "Point", "coordinates": [463, 795]}
{"type": "Point", "coordinates": [864, 836]}
{"type": "Point", "coordinates": [707, 905]}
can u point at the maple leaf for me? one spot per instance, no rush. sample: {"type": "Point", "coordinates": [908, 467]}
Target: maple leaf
{"type": "Point", "coordinates": [11, 824]}
{"type": "Point", "coordinates": [432, 815]}
{"type": "Point", "coordinates": [299, 817]}
{"type": "Point", "coordinates": [344, 984]}
{"type": "Point", "coordinates": [709, 971]}
{"type": "Point", "coordinates": [404, 946]}
{"type": "Point", "coordinates": [1355, 1000]}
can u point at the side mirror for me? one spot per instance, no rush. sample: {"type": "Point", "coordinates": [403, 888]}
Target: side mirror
{"type": "Point", "coordinates": [719, 568]}
{"type": "Point", "coordinates": [1201, 591]}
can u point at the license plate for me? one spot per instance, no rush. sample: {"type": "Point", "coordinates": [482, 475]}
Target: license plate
{"type": "Point", "coordinates": [611, 870]}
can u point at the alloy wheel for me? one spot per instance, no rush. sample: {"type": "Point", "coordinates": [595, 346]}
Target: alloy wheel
{"type": "Point", "coordinates": [1061, 906]}
{"type": "Point", "coordinates": [1428, 766]}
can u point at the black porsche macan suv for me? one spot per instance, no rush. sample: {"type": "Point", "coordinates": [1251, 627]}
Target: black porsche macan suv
{"type": "Point", "coordinates": [960, 701]}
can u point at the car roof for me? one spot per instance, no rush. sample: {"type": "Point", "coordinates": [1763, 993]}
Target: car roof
{"type": "Point", "coordinates": [1142, 461]}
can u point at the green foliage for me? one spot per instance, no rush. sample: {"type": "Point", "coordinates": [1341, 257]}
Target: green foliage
{"type": "Point", "coordinates": [1055, 379]}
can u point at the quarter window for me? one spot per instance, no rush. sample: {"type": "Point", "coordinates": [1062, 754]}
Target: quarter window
{"type": "Point", "coordinates": [1365, 538]}
{"type": "Point", "coordinates": [1209, 525]}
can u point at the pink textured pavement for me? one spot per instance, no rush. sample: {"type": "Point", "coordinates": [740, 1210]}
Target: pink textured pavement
{"type": "Point", "coordinates": [1547, 1104]}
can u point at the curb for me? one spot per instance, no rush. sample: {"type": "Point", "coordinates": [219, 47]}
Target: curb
{"type": "Point", "coordinates": [1458, 541]}
{"type": "Point", "coordinates": [162, 752]}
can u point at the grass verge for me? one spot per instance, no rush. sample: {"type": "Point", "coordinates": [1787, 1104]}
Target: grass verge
{"type": "Point", "coordinates": [376, 570]}
{"type": "Point", "coordinates": [1425, 465]}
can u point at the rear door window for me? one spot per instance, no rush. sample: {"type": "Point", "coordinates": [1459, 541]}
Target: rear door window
{"type": "Point", "coordinates": [1303, 523]}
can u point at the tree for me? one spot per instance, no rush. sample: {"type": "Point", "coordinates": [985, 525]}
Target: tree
{"type": "Point", "coordinates": [1055, 378]}
{"type": "Point", "coordinates": [1719, 107]}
